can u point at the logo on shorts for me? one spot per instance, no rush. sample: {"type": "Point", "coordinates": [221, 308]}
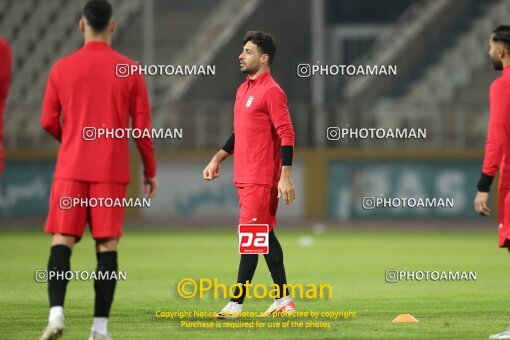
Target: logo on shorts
{"type": "Point", "coordinates": [250, 100]}
{"type": "Point", "coordinates": [253, 238]}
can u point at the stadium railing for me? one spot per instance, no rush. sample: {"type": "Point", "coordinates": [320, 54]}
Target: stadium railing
{"type": "Point", "coordinates": [442, 79]}
{"type": "Point", "coordinates": [389, 45]}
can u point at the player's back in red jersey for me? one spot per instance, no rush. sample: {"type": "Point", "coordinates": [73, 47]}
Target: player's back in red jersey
{"type": "Point", "coordinates": [84, 88]}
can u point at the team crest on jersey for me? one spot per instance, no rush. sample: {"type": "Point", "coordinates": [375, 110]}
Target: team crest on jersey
{"type": "Point", "coordinates": [249, 101]}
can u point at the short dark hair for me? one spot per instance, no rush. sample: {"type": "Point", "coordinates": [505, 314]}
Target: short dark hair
{"type": "Point", "coordinates": [98, 14]}
{"type": "Point", "coordinates": [502, 35]}
{"type": "Point", "coordinates": [264, 41]}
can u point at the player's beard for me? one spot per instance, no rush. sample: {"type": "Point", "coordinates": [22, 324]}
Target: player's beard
{"type": "Point", "coordinates": [246, 70]}
{"type": "Point", "coordinates": [249, 71]}
{"type": "Point", "coordinates": [496, 64]}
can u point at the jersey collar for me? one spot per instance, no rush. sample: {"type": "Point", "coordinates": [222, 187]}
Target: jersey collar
{"type": "Point", "coordinates": [96, 45]}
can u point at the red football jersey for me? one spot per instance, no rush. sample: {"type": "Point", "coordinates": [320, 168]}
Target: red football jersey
{"type": "Point", "coordinates": [83, 90]}
{"type": "Point", "coordinates": [5, 82]}
{"type": "Point", "coordinates": [497, 148]}
{"type": "Point", "coordinates": [262, 125]}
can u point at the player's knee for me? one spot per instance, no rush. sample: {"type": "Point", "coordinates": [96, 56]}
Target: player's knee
{"type": "Point", "coordinates": [66, 240]}
{"type": "Point", "coordinates": [107, 244]}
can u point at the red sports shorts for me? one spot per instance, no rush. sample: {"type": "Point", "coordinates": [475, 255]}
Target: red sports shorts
{"type": "Point", "coordinates": [68, 219]}
{"type": "Point", "coordinates": [258, 204]}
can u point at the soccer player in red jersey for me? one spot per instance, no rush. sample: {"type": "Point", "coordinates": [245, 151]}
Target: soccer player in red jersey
{"type": "Point", "coordinates": [83, 91]}
{"type": "Point", "coordinates": [5, 82]}
{"type": "Point", "coordinates": [262, 145]}
{"type": "Point", "coordinates": [497, 148]}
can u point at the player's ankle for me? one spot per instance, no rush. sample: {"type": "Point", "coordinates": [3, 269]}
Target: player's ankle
{"type": "Point", "coordinates": [55, 313]}
{"type": "Point", "coordinates": [100, 325]}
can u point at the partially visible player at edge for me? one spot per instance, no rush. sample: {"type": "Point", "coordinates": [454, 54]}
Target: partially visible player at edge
{"type": "Point", "coordinates": [83, 91]}
{"type": "Point", "coordinates": [497, 148]}
{"type": "Point", "coordinates": [263, 145]}
{"type": "Point", "coordinates": [5, 82]}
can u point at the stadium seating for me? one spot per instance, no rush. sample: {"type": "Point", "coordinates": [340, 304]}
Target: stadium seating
{"type": "Point", "coordinates": [442, 95]}
{"type": "Point", "coordinates": [445, 79]}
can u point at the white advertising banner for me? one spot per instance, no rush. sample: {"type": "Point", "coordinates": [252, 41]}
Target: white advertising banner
{"type": "Point", "coordinates": [183, 192]}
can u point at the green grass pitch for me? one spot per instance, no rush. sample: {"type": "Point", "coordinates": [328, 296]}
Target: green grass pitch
{"type": "Point", "coordinates": [354, 262]}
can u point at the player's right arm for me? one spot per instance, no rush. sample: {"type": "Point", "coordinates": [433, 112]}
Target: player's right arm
{"type": "Point", "coordinates": [212, 170]}
{"type": "Point", "coordinates": [498, 142]}
{"type": "Point", "coordinates": [50, 118]}
{"type": "Point", "coordinates": [141, 119]}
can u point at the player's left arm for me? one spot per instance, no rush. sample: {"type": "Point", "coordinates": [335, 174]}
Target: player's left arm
{"type": "Point", "coordinates": [498, 142]}
{"type": "Point", "coordinates": [278, 109]}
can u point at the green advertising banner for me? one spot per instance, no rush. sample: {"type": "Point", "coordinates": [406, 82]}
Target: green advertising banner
{"type": "Point", "coordinates": [25, 188]}
{"type": "Point", "coordinates": [401, 189]}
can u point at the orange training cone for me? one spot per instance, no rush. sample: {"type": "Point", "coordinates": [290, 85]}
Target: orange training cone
{"type": "Point", "coordinates": [405, 318]}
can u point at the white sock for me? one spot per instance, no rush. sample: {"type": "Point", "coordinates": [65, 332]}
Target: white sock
{"type": "Point", "coordinates": [100, 325]}
{"type": "Point", "coordinates": [238, 307]}
{"type": "Point", "coordinates": [283, 300]}
{"type": "Point", "coordinates": [55, 312]}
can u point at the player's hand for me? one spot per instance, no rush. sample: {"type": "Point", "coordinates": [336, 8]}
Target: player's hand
{"type": "Point", "coordinates": [481, 207]}
{"type": "Point", "coordinates": [150, 186]}
{"type": "Point", "coordinates": [212, 170]}
{"type": "Point", "coordinates": [286, 189]}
